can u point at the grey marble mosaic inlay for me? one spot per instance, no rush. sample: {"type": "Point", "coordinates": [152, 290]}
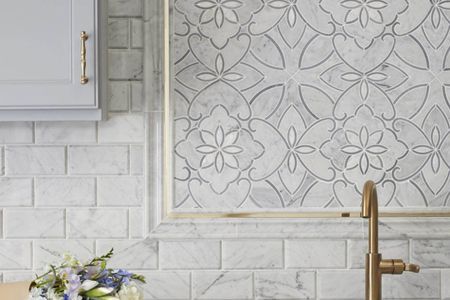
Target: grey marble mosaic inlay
{"type": "Point", "coordinates": [293, 104]}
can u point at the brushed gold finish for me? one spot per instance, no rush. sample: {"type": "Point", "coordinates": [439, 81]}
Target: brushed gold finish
{"type": "Point", "coordinates": [375, 265]}
{"type": "Point", "coordinates": [83, 37]}
{"type": "Point", "coordinates": [168, 163]}
{"type": "Point", "coordinates": [293, 215]}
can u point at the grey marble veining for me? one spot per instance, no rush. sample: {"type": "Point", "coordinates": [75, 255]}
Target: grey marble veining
{"type": "Point", "coordinates": [432, 253]}
{"type": "Point", "coordinates": [223, 285]}
{"type": "Point", "coordinates": [293, 105]}
{"type": "Point", "coordinates": [285, 285]}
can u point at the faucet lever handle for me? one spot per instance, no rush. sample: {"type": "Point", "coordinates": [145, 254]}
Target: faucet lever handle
{"type": "Point", "coordinates": [397, 266]}
{"type": "Point", "coordinates": [412, 268]}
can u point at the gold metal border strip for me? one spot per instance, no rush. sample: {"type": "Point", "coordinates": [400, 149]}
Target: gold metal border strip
{"type": "Point", "coordinates": [167, 167]}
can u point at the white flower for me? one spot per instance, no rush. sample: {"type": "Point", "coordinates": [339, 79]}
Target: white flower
{"type": "Point", "coordinates": [88, 285]}
{"type": "Point", "coordinates": [51, 295]}
{"type": "Point", "coordinates": [36, 294]}
{"type": "Point", "coordinates": [130, 292]}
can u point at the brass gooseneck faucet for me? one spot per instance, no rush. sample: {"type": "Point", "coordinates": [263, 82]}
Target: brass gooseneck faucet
{"type": "Point", "coordinates": [375, 265]}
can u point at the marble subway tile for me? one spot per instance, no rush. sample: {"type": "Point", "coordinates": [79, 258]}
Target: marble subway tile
{"type": "Point", "coordinates": [121, 191]}
{"type": "Point", "coordinates": [252, 254]}
{"type": "Point", "coordinates": [125, 8]}
{"type": "Point", "coordinates": [431, 253]}
{"type": "Point", "coordinates": [131, 254]}
{"type": "Point", "coordinates": [65, 191]}
{"type": "Point", "coordinates": [51, 251]}
{"type": "Point", "coordinates": [137, 33]}
{"type": "Point", "coordinates": [423, 285]}
{"type": "Point", "coordinates": [164, 285]}
{"type": "Point", "coordinates": [102, 223]}
{"type": "Point", "coordinates": [137, 160]}
{"type": "Point", "coordinates": [137, 96]}
{"type": "Point", "coordinates": [16, 132]}
{"type": "Point", "coordinates": [35, 160]}
{"type": "Point", "coordinates": [66, 132]}
{"type": "Point", "coordinates": [286, 285]}
{"type": "Point", "coordinates": [34, 223]}
{"type": "Point", "coordinates": [137, 222]}
{"type": "Point", "coordinates": [119, 96]}
{"type": "Point", "coordinates": [98, 160]}
{"type": "Point", "coordinates": [315, 254]}
{"type": "Point", "coordinates": [445, 281]}
{"type": "Point", "coordinates": [125, 64]}
{"type": "Point", "coordinates": [15, 255]}
{"type": "Point", "coordinates": [341, 284]}
{"type": "Point", "coordinates": [16, 192]}
{"type": "Point", "coordinates": [357, 250]}
{"type": "Point", "coordinates": [118, 33]}
{"type": "Point", "coordinates": [222, 285]}
{"type": "Point", "coordinates": [189, 255]}
{"type": "Point", "coordinates": [121, 128]}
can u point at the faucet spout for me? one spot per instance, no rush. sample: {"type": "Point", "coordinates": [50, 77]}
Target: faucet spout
{"type": "Point", "coordinates": [370, 211]}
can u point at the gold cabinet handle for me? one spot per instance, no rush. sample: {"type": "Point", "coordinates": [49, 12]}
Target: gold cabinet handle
{"type": "Point", "coordinates": [83, 38]}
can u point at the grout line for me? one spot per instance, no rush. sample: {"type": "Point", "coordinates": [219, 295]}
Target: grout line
{"type": "Point", "coordinates": [253, 285]}
{"type": "Point", "coordinates": [33, 191]}
{"type": "Point", "coordinates": [66, 228]}
{"type": "Point", "coordinates": [33, 132]}
{"type": "Point", "coordinates": [316, 282]}
{"type": "Point", "coordinates": [191, 285]}
{"type": "Point", "coordinates": [221, 255]}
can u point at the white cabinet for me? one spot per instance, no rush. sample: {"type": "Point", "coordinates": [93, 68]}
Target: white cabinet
{"type": "Point", "coordinates": [43, 57]}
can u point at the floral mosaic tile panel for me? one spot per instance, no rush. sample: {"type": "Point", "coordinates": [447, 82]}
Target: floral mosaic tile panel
{"type": "Point", "coordinates": [294, 104]}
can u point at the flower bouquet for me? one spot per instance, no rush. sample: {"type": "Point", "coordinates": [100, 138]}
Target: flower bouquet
{"type": "Point", "coordinates": [73, 280]}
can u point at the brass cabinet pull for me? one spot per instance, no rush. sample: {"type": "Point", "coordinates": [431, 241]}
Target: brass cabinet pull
{"type": "Point", "coordinates": [83, 38]}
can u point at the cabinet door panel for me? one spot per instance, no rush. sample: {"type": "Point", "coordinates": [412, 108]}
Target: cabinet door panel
{"type": "Point", "coordinates": [40, 54]}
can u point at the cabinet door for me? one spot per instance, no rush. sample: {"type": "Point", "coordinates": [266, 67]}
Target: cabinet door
{"type": "Point", "coordinates": [40, 55]}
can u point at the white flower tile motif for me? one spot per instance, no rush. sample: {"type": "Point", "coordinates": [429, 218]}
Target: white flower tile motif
{"type": "Point", "coordinates": [288, 105]}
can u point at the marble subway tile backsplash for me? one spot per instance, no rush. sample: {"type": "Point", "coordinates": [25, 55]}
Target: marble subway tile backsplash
{"type": "Point", "coordinates": [316, 254]}
{"type": "Point", "coordinates": [136, 254]}
{"type": "Point", "coordinates": [98, 160]}
{"type": "Point", "coordinates": [340, 284]}
{"type": "Point", "coordinates": [425, 285]}
{"type": "Point", "coordinates": [252, 254]}
{"type": "Point", "coordinates": [65, 132]}
{"type": "Point", "coordinates": [101, 223]}
{"type": "Point", "coordinates": [16, 132]}
{"type": "Point", "coordinates": [190, 255]}
{"type": "Point", "coordinates": [16, 192]}
{"type": "Point", "coordinates": [16, 255]}
{"type": "Point", "coordinates": [286, 285]}
{"type": "Point", "coordinates": [113, 191]}
{"type": "Point", "coordinates": [34, 223]}
{"type": "Point", "coordinates": [167, 285]}
{"type": "Point", "coordinates": [445, 286]}
{"type": "Point", "coordinates": [50, 251]}
{"type": "Point", "coordinates": [65, 191]}
{"type": "Point", "coordinates": [222, 285]}
{"type": "Point", "coordinates": [432, 253]}
{"type": "Point", "coordinates": [122, 129]}
{"type": "Point", "coordinates": [35, 160]}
